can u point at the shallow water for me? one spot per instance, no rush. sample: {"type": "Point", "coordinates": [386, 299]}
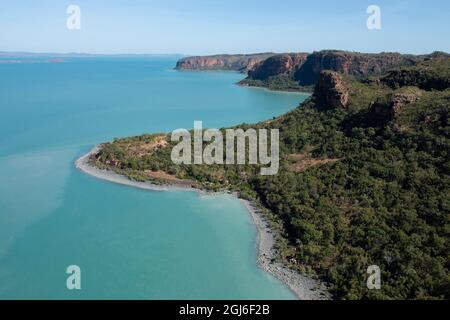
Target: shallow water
{"type": "Point", "coordinates": [129, 243]}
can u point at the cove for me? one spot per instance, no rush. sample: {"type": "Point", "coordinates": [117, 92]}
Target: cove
{"type": "Point", "coordinates": [129, 243]}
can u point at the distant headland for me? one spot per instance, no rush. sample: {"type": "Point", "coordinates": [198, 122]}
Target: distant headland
{"type": "Point", "coordinates": [301, 71]}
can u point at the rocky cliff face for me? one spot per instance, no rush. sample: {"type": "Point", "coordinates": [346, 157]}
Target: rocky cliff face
{"type": "Point", "coordinates": [384, 111]}
{"type": "Point", "coordinates": [301, 71]}
{"type": "Point", "coordinates": [241, 62]}
{"type": "Point", "coordinates": [431, 74]}
{"type": "Point", "coordinates": [282, 64]}
{"type": "Point", "coordinates": [331, 91]}
{"type": "Point", "coordinates": [304, 69]}
{"type": "Point", "coordinates": [350, 63]}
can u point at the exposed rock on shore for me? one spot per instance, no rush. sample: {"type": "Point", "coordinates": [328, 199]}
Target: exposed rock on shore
{"type": "Point", "coordinates": [305, 287]}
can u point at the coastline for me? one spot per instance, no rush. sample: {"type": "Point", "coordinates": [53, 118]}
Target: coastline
{"type": "Point", "coordinates": [83, 165]}
{"type": "Point", "coordinates": [245, 85]}
{"type": "Point", "coordinates": [304, 287]}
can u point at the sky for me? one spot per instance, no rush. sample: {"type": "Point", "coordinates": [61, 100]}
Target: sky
{"type": "Point", "coordinates": [223, 26]}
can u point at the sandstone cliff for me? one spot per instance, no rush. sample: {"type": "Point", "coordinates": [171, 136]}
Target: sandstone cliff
{"type": "Point", "coordinates": [331, 91]}
{"type": "Point", "coordinates": [432, 74]}
{"type": "Point", "coordinates": [350, 63]}
{"type": "Point", "coordinates": [386, 110]}
{"type": "Point", "coordinates": [303, 70]}
{"type": "Point", "coordinates": [286, 64]}
{"type": "Point", "coordinates": [239, 62]}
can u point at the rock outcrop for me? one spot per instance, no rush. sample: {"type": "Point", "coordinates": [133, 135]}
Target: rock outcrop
{"type": "Point", "coordinates": [431, 74]}
{"type": "Point", "coordinates": [282, 64]}
{"type": "Point", "coordinates": [331, 91]}
{"type": "Point", "coordinates": [239, 62]}
{"type": "Point", "coordinates": [384, 111]}
{"type": "Point", "coordinates": [303, 70]}
{"type": "Point", "coordinates": [350, 63]}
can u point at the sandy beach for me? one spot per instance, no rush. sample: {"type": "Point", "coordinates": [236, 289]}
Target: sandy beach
{"type": "Point", "coordinates": [303, 286]}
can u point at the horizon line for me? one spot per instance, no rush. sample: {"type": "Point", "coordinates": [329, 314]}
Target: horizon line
{"type": "Point", "coordinates": [37, 53]}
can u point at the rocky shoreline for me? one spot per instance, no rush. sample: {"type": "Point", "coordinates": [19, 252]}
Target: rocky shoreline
{"type": "Point", "coordinates": [304, 287]}
{"type": "Point", "coordinates": [262, 87]}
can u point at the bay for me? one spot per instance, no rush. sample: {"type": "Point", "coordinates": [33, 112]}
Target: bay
{"type": "Point", "coordinates": [129, 243]}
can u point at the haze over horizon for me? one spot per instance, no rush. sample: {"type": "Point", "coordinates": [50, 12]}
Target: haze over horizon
{"type": "Point", "coordinates": [215, 27]}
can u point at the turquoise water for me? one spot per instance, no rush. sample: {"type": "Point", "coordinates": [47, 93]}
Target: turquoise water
{"type": "Point", "coordinates": [129, 243]}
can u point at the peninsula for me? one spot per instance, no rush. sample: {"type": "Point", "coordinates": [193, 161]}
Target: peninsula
{"type": "Point", "coordinates": [238, 62]}
{"type": "Point", "coordinates": [364, 173]}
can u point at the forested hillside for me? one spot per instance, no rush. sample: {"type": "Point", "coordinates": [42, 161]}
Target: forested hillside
{"type": "Point", "coordinates": [364, 180]}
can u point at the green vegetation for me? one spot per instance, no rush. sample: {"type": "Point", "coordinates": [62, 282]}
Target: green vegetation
{"type": "Point", "coordinates": [354, 189]}
{"type": "Point", "coordinates": [278, 83]}
{"type": "Point", "coordinates": [428, 75]}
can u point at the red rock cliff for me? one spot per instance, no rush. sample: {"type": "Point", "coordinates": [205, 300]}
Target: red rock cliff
{"type": "Point", "coordinates": [331, 91]}
{"type": "Point", "coordinates": [240, 62]}
{"type": "Point", "coordinates": [351, 63]}
{"type": "Point", "coordinates": [277, 65]}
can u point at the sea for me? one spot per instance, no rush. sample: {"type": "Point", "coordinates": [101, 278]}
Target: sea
{"type": "Point", "coordinates": [128, 243]}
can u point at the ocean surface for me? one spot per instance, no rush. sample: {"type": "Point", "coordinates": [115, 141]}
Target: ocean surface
{"type": "Point", "coordinates": [129, 243]}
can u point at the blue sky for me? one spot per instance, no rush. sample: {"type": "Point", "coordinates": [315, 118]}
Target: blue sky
{"type": "Point", "coordinates": [223, 26]}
